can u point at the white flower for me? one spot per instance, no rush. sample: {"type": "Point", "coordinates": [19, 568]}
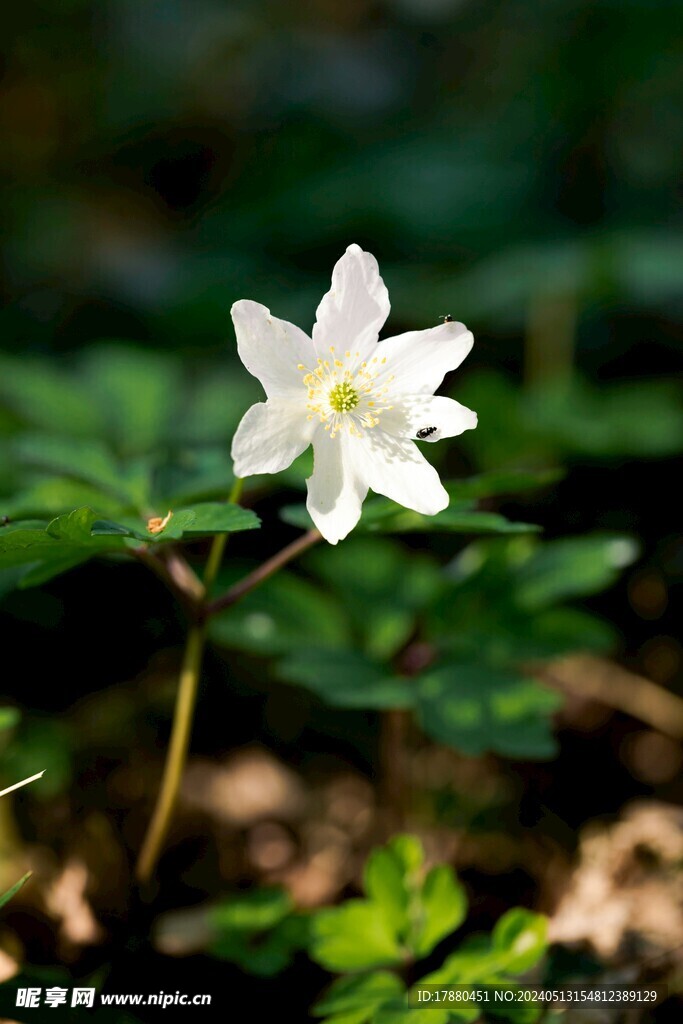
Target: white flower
{"type": "Point", "coordinates": [360, 403]}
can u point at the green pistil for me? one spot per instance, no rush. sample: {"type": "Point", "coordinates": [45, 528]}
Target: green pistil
{"type": "Point", "coordinates": [343, 397]}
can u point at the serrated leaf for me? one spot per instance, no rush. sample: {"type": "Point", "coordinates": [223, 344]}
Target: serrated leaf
{"type": "Point", "coordinates": [108, 528]}
{"type": "Point", "coordinates": [220, 517]}
{"type": "Point", "coordinates": [359, 994]}
{"type": "Point", "coordinates": [187, 523]}
{"type": "Point", "coordinates": [475, 709]}
{"type": "Point", "coordinates": [346, 679]}
{"type": "Point", "coordinates": [522, 938]}
{"type": "Point", "coordinates": [386, 884]}
{"type": "Point", "coordinates": [65, 543]}
{"type": "Point", "coordinates": [443, 907]}
{"type": "Point", "coordinates": [74, 527]}
{"type": "Point", "coordinates": [353, 937]}
{"type": "Point", "coordinates": [7, 896]}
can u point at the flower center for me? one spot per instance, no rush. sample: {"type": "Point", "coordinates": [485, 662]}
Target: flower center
{"type": "Point", "coordinates": [344, 397]}
{"type": "Point", "coordinates": [347, 393]}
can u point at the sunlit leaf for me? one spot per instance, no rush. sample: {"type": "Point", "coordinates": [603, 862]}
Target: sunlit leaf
{"type": "Point", "coordinates": [475, 709]}
{"type": "Point", "coordinates": [443, 906]}
{"type": "Point", "coordinates": [362, 994]}
{"type": "Point", "coordinates": [353, 937]}
{"type": "Point", "coordinates": [522, 938]}
{"type": "Point", "coordinates": [188, 523]}
{"type": "Point", "coordinates": [572, 567]}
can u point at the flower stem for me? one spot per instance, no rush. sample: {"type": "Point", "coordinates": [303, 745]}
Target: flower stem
{"type": "Point", "coordinates": [262, 573]}
{"type": "Point", "coordinates": [177, 752]}
{"type": "Point", "coordinates": [186, 700]}
{"type": "Point", "coordinates": [220, 540]}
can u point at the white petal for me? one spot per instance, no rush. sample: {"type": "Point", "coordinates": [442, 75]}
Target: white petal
{"type": "Point", "coordinates": [336, 490]}
{"type": "Point", "coordinates": [411, 413]}
{"type": "Point", "coordinates": [270, 436]}
{"type": "Point", "coordinates": [352, 313]}
{"type": "Point", "coordinates": [419, 360]}
{"type": "Point", "coordinates": [271, 349]}
{"type": "Point", "coordinates": [396, 468]}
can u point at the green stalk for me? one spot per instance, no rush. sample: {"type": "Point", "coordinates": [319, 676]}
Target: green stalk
{"type": "Point", "coordinates": [177, 753]}
{"type": "Point", "coordinates": [183, 714]}
{"type": "Point", "coordinates": [218, 547]}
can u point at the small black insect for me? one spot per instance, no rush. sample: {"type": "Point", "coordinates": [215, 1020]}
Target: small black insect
{"type": "Point", "coordinates": [447, 319]}
{"type": "Point", "coordinates": [426, 432]}
{"type": "Point", "coordinates": [4, 520]}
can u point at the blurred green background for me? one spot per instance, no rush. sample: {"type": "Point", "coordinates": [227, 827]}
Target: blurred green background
{"type": "Point", "coordinates": [514, 164]}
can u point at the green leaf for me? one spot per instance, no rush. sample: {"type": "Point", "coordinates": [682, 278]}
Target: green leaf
{"type": "Point", "coordinates": [501, 482]}
{"type": "Point", "coordinates": [443, 909]}
{"type": "Point", "coordinates": [572, 567]}
{"type": "Point", "coordinates": [108, 528]}
{"type": "Point", "coordinates": [259, 931]}
{"type": "Point", "coordinates": [194, 475]}
{"type": "Point", "coordinates": [219, 517]}
{"type": "Point", "coordinates": [43, 572]}
{"type": "Point", "coordinates": [381, 585]}
{"type": "Point", "coordinates": [521, 937]}
{"type": "Point", "coordinates": [187, 523]}
{"type": "Point", "coordinates": [389, 880]}
{"type": "Point", "coordinates": [346, 679]}
{"type": "Point", "coordinates": [361, 994]}
{"type": "Point", "coordinates": [402, 1013]}
{"type": "Point", "coordinates": [475, 709]}
{"type": "Point", "coordinates": [88, 461]}
{"type": "Point", "coordinates": [53, 496]}
{"type": "Point", "coordinates": [383, 516]}
{"type": "Point", "coordinates": [9, 718]}
{"type": "Point", "coordinates": [353, 937]}
{"type": "Point", "coordinates": [7, 896]}
{"type": "Point", "coordinates": [253, 911]}
{"type": "Point", "coordinates": [63, 544]}
{"type": "Point", "coordinates": [137, 392]}
{"type": "Point", "coordinates": [74, 527]}
{"type": "Point", "coordinates": [47, 399]}
{"type": "Point", "coordinates": [490, 613]}
{"type": "Point", "coordinates": [281, 616]}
